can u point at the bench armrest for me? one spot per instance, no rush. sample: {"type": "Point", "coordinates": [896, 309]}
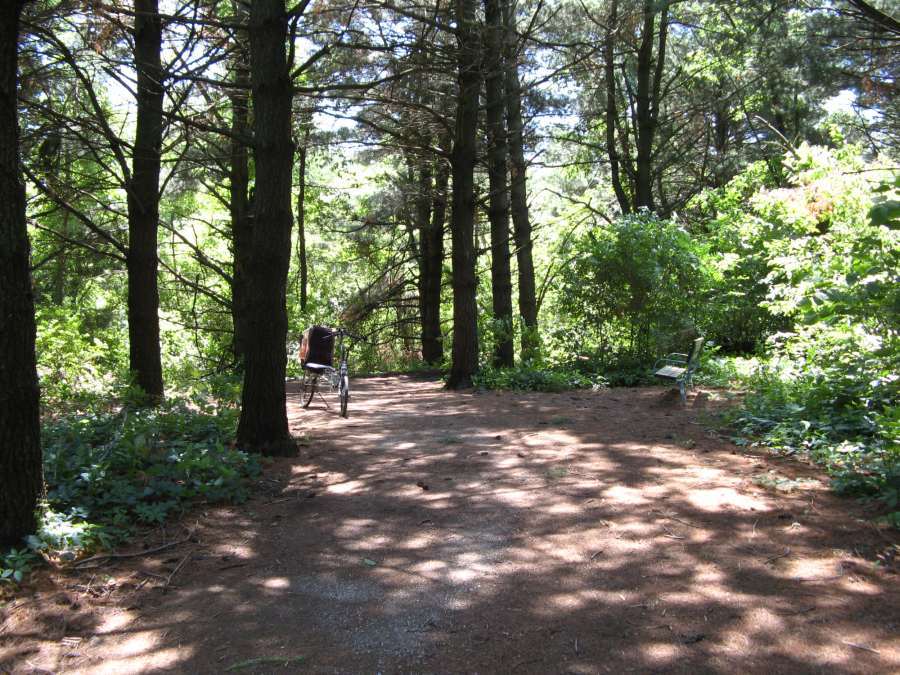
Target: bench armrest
{"type": "Point", "coordinates": [669, 362]}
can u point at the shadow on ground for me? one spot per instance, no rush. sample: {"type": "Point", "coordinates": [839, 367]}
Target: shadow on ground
{"type": "Point", "coordinates": [581, 532]}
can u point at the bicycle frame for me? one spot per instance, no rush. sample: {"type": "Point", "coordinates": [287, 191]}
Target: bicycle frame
{"type": "Point", "coordinates": [338, 378]}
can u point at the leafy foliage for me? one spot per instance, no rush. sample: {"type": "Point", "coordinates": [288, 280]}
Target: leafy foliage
{"type": "Point", "coordinates": [629, 289]}
{"type": "Point", "coordinates": [529, 378]}
{"type": "Point", "coordinates": [15, 565]}
{"type": "Point", "coordinates": [828, 386]}
{"type": "Point", "coordinates": [109, 472]}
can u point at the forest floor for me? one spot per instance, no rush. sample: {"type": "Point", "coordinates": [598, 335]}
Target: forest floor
{"type": "Point", "coordinates": [581, 532]}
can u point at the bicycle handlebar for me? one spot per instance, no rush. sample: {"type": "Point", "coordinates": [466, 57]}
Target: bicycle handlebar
{"type": "Point", "coordinates": [339, 332]}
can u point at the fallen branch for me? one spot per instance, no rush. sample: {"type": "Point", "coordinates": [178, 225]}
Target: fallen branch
{"type": "Point", "coordinates": [178, 567]}
{"type": "Point", "coordinates": [106, 557]}
{"type": "Point", "coordinates": [264, 660]}
{"type": "Point", "coordinates": [863, 647]}
{"type": "Point", "coordinates": [786, 553]}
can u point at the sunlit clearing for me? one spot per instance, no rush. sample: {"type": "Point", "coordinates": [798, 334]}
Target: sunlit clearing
{"type": "Point", "coordinates": [566, 601]}
{"type": "Point", "coordinates": [462, 575]}
{"type": "Point", "coordinates": [625, 495]}
{"type": "Point", "coordinates": [659, 653]}
{"type": "Point", "coordinates": [719, 498]}
{"type": "Point", "coordinates": [145, 658]}
{"type": "Point", "coordinates": [347, 487]}
{"type": "Point", "coordinates": [417, 542]}
{"type": "Point", "coordinates": [139, 651]}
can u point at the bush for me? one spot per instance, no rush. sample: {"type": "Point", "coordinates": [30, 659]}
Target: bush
{"type": "Point", "coordinates": [828, 386]}
{"type": "Point", "coordinates": [81, 354]}
{"type": "Point", "coordinates": [631, 292]}
{"type": "Point", "coordinates": [824, 394]}
{"type": "Point", "coordinates": [525, 378]}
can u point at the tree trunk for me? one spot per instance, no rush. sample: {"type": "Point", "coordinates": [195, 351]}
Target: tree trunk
{"type": "Point", "coordinates": [649, 80]}
{"type": "Point", "coordinates": [143, 205]}
{"type": "Point", "coordinates": [431, 266]}
{"type": "Point", "coordinates": [644, 120]}
{"type": "Point", "coordinates": [263, 426]}
{"type": "Point", "coordinates": [21, 479]}
{"type": "Point", "coordinates": [301, 221]}
{"type": "Point", "coordinates": [423, 204]}
{"type": "Point", "coordinates": [239, 179]}
{"type": "Point", "coordinates": [517, 191]}
{"type": "Point", "coordinates": [498, 209]}
{"type": "Point", "coordinates": [612, 114]}
{"type": "Point", "coordinates": [465, 325]}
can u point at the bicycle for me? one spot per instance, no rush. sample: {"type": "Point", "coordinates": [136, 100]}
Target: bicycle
{"type": "Point", "coordinates": [317, 359]}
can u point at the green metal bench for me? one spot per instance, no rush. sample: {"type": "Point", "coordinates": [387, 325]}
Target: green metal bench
{"type": "Point", "coordinates": [680, 367]}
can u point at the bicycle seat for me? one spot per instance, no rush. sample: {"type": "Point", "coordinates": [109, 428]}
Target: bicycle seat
{"type": "Point", "coordinates": [317, 368]}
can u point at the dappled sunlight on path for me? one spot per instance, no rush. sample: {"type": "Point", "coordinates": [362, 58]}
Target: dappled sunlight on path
{"type": "Point", "coordinates": [581, 532]}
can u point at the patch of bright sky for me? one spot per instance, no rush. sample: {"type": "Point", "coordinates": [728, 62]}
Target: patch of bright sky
{"type": "Point", "coordinates": [841, 102]}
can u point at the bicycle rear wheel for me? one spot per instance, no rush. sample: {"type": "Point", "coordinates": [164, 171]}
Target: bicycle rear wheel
{"type": "Point", "coordinates": [309, 389]}
{"type": "Point", "coordinates": [345, 395]}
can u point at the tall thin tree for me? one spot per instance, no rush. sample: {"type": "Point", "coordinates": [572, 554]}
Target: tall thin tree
{"type": "Point", "coordinates": [302, 153]}
{"type": "Point", "coordinates": [498, 200]}
{"type": "Point", "coordinates": [143, 204]}
{"type": "Point", "coordinates": [431, 259]}
{"type": "Point", "coordinates": [263, 425]}
{"type": "Point", "coordinates": [239, 181]}
{"type": "Point", "coordinates": [465, 326]}
{"type": "Point", "coordinates": [21, 479]}
{"type": "Point", "coordinates": [518, 186]}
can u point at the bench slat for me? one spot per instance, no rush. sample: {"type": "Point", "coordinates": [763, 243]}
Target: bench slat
{"type": "Point", "coordinates": [670, 372]}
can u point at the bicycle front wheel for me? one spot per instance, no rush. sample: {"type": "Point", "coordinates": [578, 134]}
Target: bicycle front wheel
{"type": "Point", "coordinates": [345, 395]}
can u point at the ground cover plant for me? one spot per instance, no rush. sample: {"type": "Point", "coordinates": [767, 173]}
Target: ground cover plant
{"type": "Point", "coordinates": [826, 385]}
{"type": "Point", "coordinates": [535, 378]}
{"type": "Point", "coordinates": [113, 473]}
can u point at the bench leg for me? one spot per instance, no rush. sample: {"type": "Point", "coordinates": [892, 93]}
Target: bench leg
{"type": "Point", "coordinates": [682, 389]}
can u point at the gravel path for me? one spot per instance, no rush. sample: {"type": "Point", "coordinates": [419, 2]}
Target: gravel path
{"type": "Point", "coordinates": [582, 532]}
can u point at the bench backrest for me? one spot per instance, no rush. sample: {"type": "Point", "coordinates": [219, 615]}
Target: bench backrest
{"type": "Point", "coordinates": [694, 357]}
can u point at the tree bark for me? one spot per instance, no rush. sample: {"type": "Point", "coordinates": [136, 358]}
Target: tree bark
{"type": "Point", "coordinates": [301, 221]}
{"type": "Point", "coordinates": [431, 266]}
{"type": "Point", "coordinates": [644, 121]}
{"type": "Point", "coordinates": [427, 315]}
{"type": "Point", "coordinates": [143, 205]}
{"type": "Point", "coordinates": [518, 192]}
{"type": "Point", "coordinates": [263, 426]}
{"type": "Point", "coordinates": [498, 208]}
{"type": "Point", "coordinates": [465, 325]}
{"type": "Point", "coordinates": [21, 478]}
{"type": "Point", "coordinates": [649, 79]}
{"type": "Point", "coordinates": [239, 179]}
{"type": "Point", "coordinates": [612, 113]}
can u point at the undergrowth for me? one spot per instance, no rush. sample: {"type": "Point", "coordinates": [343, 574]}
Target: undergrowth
{"type": "Point", "coordinates": [837, 409]}
{"type": "Point", "coordinates": [110, 473]}
{"type": "Point", "coordinates": [529, 378]}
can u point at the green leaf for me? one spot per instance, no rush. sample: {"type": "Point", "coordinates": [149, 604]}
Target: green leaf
{"type": "Point", "coordinates": [886, 213]}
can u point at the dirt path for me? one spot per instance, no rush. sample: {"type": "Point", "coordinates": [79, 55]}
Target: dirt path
{"type": "Point", "coordinates": [583, 532]}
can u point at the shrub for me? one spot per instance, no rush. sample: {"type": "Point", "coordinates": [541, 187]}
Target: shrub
{"type": "Point", "coordinates": [828, 386]}
{"type": "Point", "coordinates": [630, 290]}
{"type": "Point", "coordinates": [526, 378]}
